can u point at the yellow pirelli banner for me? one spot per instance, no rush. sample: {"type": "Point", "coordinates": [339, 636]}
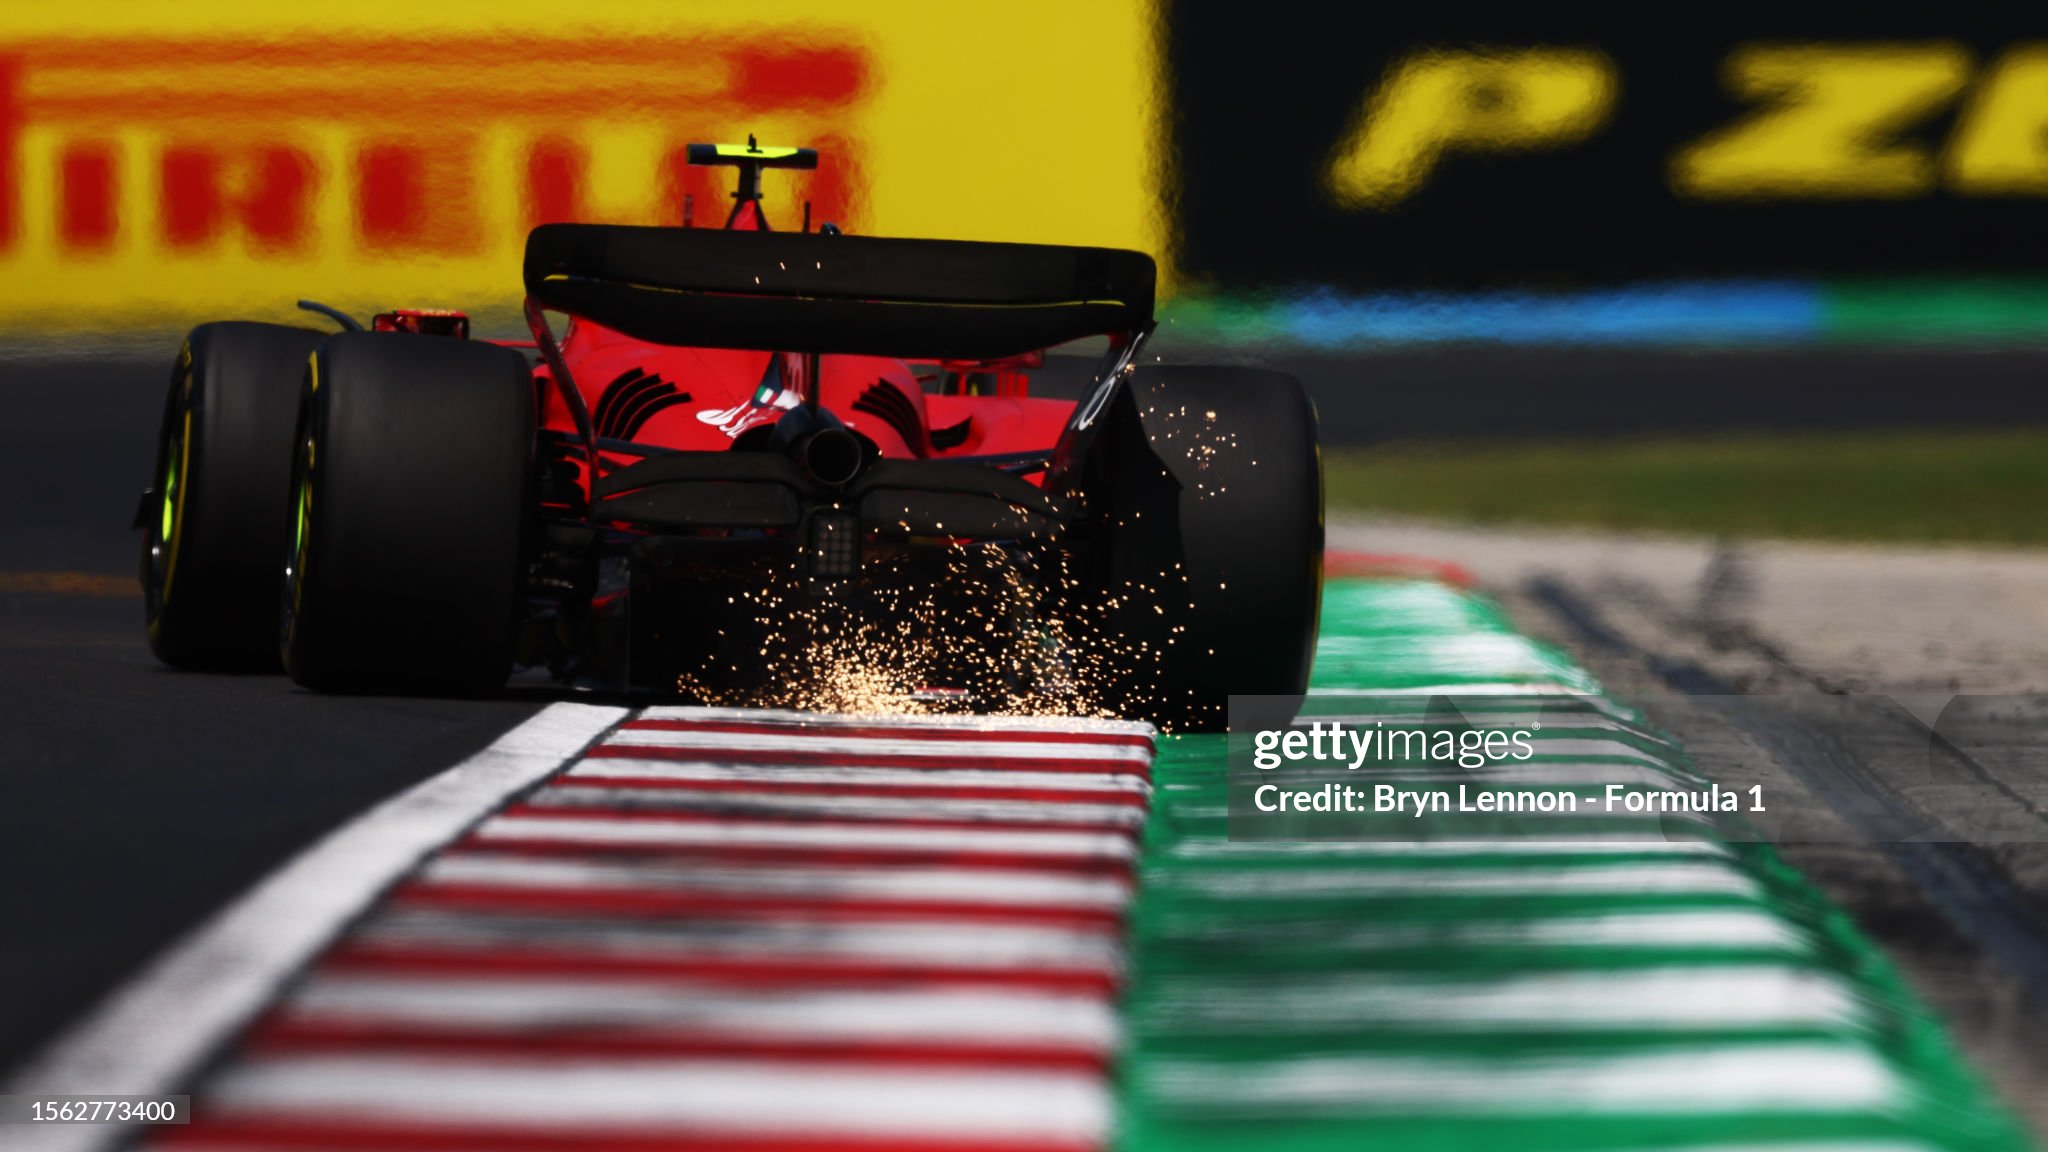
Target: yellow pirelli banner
{"type": "Point", "coordinates": [162, 163]}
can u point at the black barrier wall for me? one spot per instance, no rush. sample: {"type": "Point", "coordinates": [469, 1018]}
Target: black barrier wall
{"type": "Point", "coordinates": [1480, 143]}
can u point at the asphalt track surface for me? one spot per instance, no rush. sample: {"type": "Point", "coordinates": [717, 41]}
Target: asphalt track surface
{"type": "Point", "coordinates": [140, 800]}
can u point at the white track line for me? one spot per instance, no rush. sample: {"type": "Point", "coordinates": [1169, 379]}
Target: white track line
{"type": "Point", "coordinates": [1679, 996]}
{"type": "Point", "coordinates": [1781, 1077]}
{"type": "Point", "coordinates": [151, 1034]}
{"type": "Point", "coordinates": [1662, 878]}
{"type": "Point", "coordinates": [1549, 775]}
{"type": "Point", "coordinates": [1496, 690]}
{"type": "Point", "coordinates": [1018, 887]}
{"type": "Point", "coordinates": [1744, 929]}
{"type": "Point", "coordinates": [616, 768]}
{"type": "Point", "coordinates": [796, 1102]}
{"type": "Point", "coordinates": [967, 751]}
{"type": "Point", "coordinates": [1517, 713]}
{"type": "Point", "coordinates": [1057, 725]}
{"type": "Point", "coordinates": [882, 809]}
{"type": "Point", "coordinates": [1612, 844]}
{"type": "Point", "coordinates": [905, 944]}
{"type": "Point", "coordinates": [516, 1005]}
{"type": "Point", "coordinates": [655, 833]}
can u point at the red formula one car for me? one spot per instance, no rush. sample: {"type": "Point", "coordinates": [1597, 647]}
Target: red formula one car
{"type": "Point", "coordinates": [750, 460]}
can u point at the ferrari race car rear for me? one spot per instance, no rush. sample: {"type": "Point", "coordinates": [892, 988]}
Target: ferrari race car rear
{"type": "Point", "coordinates": [1158, 551]}
{"type": "Point", "coordinates": [437, 511]}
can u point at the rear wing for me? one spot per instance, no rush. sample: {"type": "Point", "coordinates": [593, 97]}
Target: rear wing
{"type": "Point", "coordinates": [813, 292]}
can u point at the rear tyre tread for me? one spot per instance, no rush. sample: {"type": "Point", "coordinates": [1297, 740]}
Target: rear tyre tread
{"type": "Point", "coordinates": [210, 581]}
{"type": "Point", "coordinates": [411, 496]}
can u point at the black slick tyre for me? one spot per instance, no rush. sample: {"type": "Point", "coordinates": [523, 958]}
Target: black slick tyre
{"type": "Point", "coordinates": [214, 519]}
{"type": "Point", "coordinates": [1202, 575]}
{"type": "Point", "coordinates": [411, 497]}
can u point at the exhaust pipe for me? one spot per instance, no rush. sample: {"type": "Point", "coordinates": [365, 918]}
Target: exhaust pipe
{"type": "Point", "coordinates": [825, 449]}
{"type": "Point", "coordinates": [832, 456]}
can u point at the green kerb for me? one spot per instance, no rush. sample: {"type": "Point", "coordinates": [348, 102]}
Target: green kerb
{"type": "Point", "coordinates": [1478, 995]}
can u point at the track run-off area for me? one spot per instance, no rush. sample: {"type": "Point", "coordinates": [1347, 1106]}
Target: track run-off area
{"type": "Point", "coordinates": [685, 927]}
